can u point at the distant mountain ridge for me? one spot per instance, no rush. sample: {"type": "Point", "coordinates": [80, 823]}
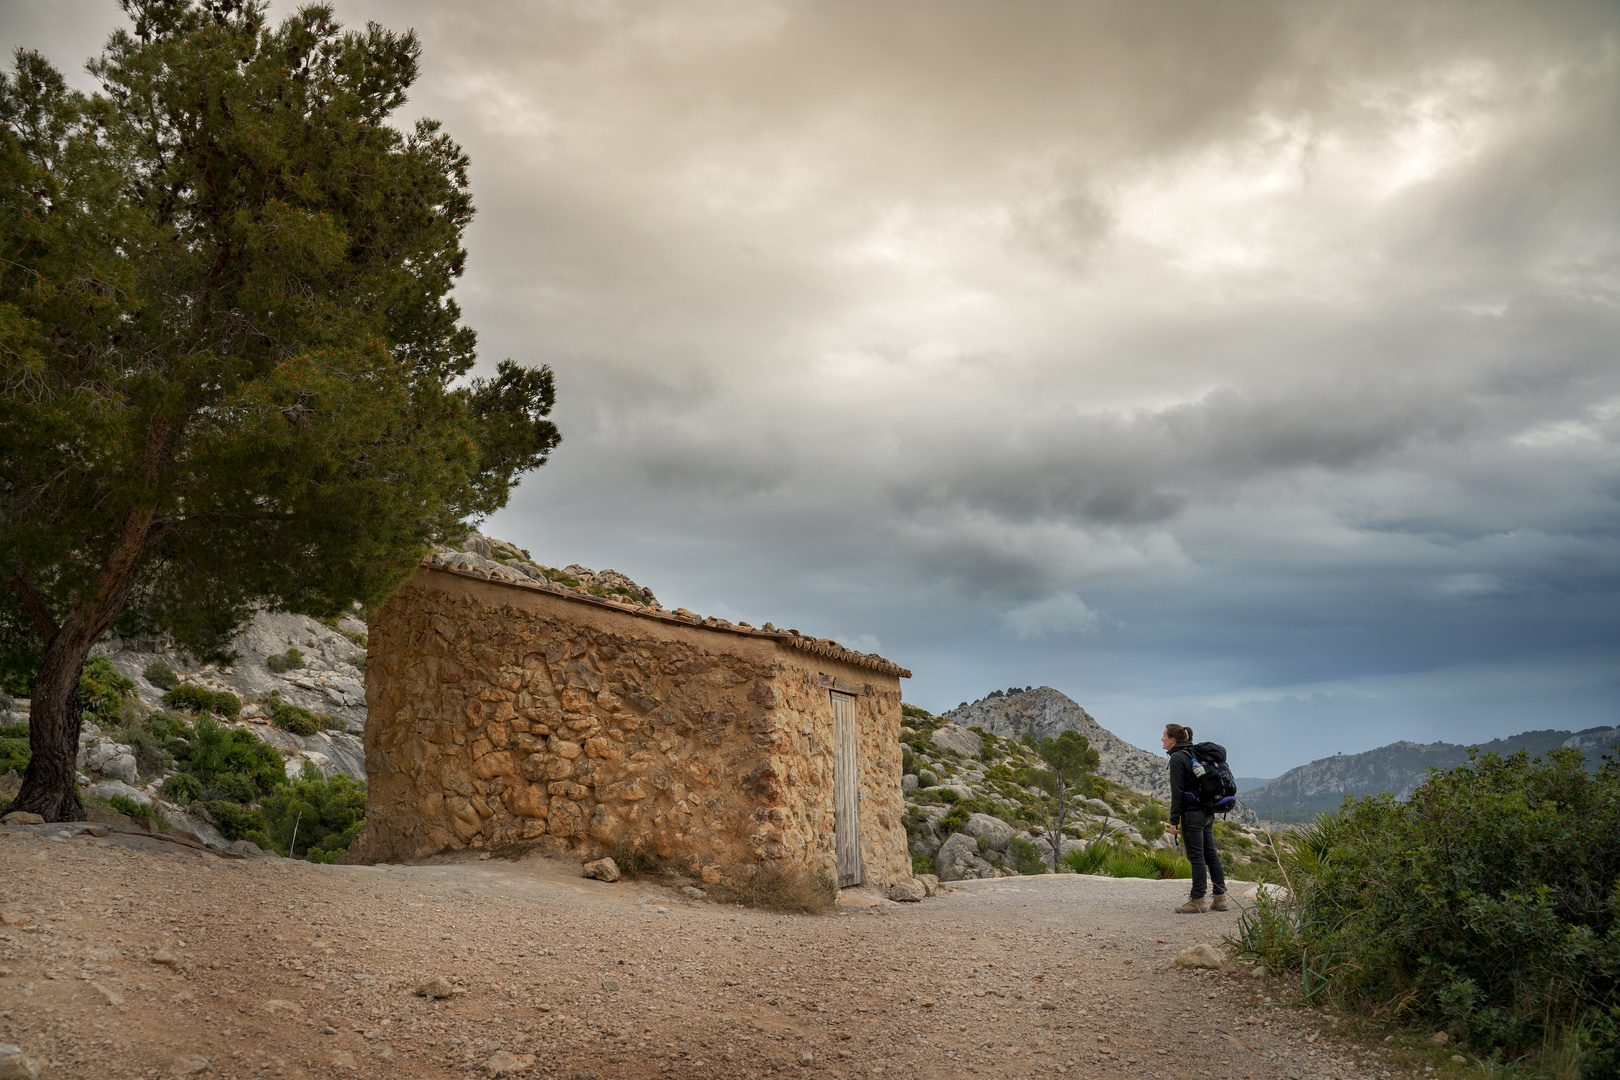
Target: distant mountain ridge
{"type": "Point", "coordinates": [1399, 768]}
{"type": "Point", "coordinates": [1046, 712]}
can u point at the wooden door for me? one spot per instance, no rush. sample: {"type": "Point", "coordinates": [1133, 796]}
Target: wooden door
{"type": "Point", "coordinates": [846, 791]}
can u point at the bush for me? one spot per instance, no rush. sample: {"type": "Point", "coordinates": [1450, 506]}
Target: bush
{"type": "Point", "coordinates": [195, 699]}
{"type": "Point", "coordinates": [182, 789]}
{"type": "Point", "coordinates": [926, 779]}
{"type": "Point", "coordinates": [161, 675]}
{"type": "Point", "coordinates": [922, 864]}
{"type": "Point", "coordinates": [1171, 864]}
{"type": "Point", "coordinates": [315, 817]}
{"type": "Point", "coordinates": [150, 754]}
{"type": "Point", "coordinates": [102, 689]}
{"type": "Point", "coordinates": [216, 750]}
{"type": "Point", "coordinates": [1088, 860]}
{"type": "Point", "coordinates": [281, 663]}
{"type": "Point", "coordinates": [955, 820]}
{"type": "Point", "coordinates": [14, 751]}
{"type": "Point", "coordinates": [232, 786]}
{"type": "Point", "coordinates": [1025, 856]}
{"type": "Point", "coordinates": [292, 718]}
{"type": "Point", "coordinates": [238, 823]}
{"type": "Point", "coordinates": [1488, 904]}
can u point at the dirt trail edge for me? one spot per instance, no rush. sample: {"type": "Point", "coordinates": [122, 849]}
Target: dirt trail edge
{"type": "Point", "coordinates": [120, 961]}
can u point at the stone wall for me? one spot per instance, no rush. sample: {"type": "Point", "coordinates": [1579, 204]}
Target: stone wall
{"type": "Point", "coordinates": [503, 713]}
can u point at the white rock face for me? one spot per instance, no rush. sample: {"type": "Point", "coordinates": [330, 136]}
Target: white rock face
{"type": "Point", "coordinates": [958, 738]}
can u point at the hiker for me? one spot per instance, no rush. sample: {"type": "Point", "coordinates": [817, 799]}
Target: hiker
{"type": "Point", "coordinates": [1188, 817]}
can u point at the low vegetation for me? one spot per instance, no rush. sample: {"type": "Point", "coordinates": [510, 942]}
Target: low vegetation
{"type": "Point", "coordinates": [1486, 906]}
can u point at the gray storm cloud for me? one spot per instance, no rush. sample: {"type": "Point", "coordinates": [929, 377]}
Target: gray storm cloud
{"type": "Point", "coordinates": [1250, 361]}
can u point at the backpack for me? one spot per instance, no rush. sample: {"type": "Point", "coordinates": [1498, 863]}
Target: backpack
{"type": "Point", "coordinates": [1213, 787]}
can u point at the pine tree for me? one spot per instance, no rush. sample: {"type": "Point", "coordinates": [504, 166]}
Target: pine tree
{"type": "Point", "coordinates": [231, 373]}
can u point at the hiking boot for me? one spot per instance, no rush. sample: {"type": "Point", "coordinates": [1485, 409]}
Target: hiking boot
{"type": "Point", "coordinates": [1196, 905]}
{"type": "Point", "coordinates": [1218, 902]}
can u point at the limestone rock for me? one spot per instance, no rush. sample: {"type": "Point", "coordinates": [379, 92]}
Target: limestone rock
{"type": "Point", "coordinates": [958, 859]}
{"type": "Point", "coordinates": [602, 870]}
{"type": "Point", "coordinates": [165, 958]}
{"type": "Point", "coordinates": [22, 817]}
{"type": "Point", "coordinates": [190, 1065]}
{"type": "Point", "coordinates": [907, 891]}
{"type": "Point", "coordinates": [16, 1065]}
{"type": "Point", "coordinates": [1202, 955]}
{"type": "Point", "coordinates": [930, 884]}
{"type": "Point", "coordinates": [504, 1063]}
{"type": "Point", "coordinates": [107, 789]}
{"type": "Point", "coordinates": [692, 893]}
{"type": "Point", "coordinates": [997, 833]}
{"type": "Point", "coordinates": [958, 738]}
{"type": "Point", "coordinates": [908, 782]}
{"type": "Point", "coordinates": [436, 987]}
{"type": "Point", "coordinates": [108, 758]}
{"type": "Point", "coordinates": [1440, 1038]}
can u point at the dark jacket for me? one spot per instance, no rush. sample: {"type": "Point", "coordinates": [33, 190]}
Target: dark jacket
{"type": "Point", "coordinates": [1181, 775]}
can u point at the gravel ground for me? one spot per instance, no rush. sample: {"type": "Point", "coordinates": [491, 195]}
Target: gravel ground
{"type": "Point", "coordinates": [276, 968]}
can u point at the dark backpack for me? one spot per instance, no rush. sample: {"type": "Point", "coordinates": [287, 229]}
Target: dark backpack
{"type": "Point", "coordinates": [1210, 782]}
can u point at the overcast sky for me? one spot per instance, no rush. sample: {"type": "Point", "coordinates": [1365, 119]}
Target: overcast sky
{"type": "Point", "coordinates": [1252, 366]}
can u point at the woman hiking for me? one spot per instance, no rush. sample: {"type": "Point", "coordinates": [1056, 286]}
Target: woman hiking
{"type": "Point", "coordinates": [1190, 819]}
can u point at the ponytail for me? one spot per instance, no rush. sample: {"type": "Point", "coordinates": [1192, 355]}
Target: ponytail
{"type": "Point", "coordinates": [1179, 733]}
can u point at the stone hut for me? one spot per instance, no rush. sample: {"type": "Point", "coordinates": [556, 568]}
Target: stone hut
{"type": "Point", "coordinates": [505, 711]}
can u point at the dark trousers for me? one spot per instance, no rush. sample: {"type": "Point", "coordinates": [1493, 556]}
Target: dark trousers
{"type": "Point", "coordinates": [1198, 830]}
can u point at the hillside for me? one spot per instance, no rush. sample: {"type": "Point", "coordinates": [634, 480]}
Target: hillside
{"type": "Point", "coordinates": [1399, 768]}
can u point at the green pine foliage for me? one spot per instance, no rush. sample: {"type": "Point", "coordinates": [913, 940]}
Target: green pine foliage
{"type": "Point", "coordinates": [216, 751]}
{"type": "Point", "coordinates": [196, 699]}
{"type": "Point", "coordinates": [231, 368]}
{"type": "Point", "coordinates": [14, 752]}
{"type": "Point", "coordinates": [281, 663]}
{"type": "Point", "coordinates": [314, 817]}
{"type": "Point", "coordinates": [102, 690]}
{"type": "Point", "coordinates": [1025, 856]}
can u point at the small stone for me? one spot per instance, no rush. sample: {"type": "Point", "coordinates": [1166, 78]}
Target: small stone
{"type": "Point", "coordinates": [1049, 1006]}
{"type": "Point", "coordinates": [16, 1065]}
{"type": "Point", "coordinates": [504, 1063]}
{"type": "Point", "coordinates": [806, 1058]}
{"type": "Point", "coordinates": [278, 1005]}
{"type": "Point", "coordinates": [22, 817]}
{"type": "Point", "coordinates": [111, 996]}
{"type": "Point", "coordinates": [611, 987]}
{"type": "Point", "coordinates": [436, 987]}
{"type": "Point", "coordinates": [1258, 971]}
{"type": "Point", "coordinates": [341, 1059]}
{"type": "Point", "coordinates": [166, 958]}
{"type": "Point", "coordinates": [692, 893]}
{"type": "Point", "coordinates": [1202, 955]}
{"type": "Point", "coordinates": [1459, 1059]}
{"type": "Point", "coordinates": [1439, 1038]}
{"type": "Point", "coordinates": [328, 1030]}
{"type": "Point", "coordinates": [11, 918]}
{"type": "Point", "coordinates": [602, 870]}
{"type": "Point", "coordinates": [190, 1065]}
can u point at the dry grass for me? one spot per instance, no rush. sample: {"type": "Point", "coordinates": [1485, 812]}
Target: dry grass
{"type": "Point", "coordinates": [510, 850]}
{"type": "Point", "coordinates": [781, 888]}
{"type": "Point", "coordinates": [635, 861]}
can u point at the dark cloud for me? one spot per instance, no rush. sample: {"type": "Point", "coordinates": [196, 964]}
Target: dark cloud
{"type": "Point", "coordinates": [1251, 364]}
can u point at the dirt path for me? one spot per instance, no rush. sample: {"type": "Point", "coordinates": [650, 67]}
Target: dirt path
{"type": "Point", "coordinates": [283, 969]}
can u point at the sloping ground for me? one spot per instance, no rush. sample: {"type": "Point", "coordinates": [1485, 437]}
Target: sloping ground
{"type": "Point", "coordinates": [280, 969]}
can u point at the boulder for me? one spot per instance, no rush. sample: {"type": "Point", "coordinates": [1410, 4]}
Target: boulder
{"type": "Point", "coordinates": [1202, 955]}
{"type": "Point", "coordinates": [602, 870]}
{"type": "Point", "coordinates": [108, 758]}
{"type": "Point", "coordinates": [908, 782]}
{"type": "Point", "coordinates": [958, 859]}
{"type": "Point", "coordinates": [958, 738]}
{"type": "Point", "coordinates": [107, 789]}
{"type": "Point", "coordinates": [997, 833]}
{"type": "Point", "coordinates": [22, 817]}
{"type": "Point", "coordinates": [907, 890]}
{"type": "Point", "coordinates": [16, 1065]}
{"type": "Point", "coordinates": [930, 884]}
{"type": "Point", "coordinates": [1100, 808]}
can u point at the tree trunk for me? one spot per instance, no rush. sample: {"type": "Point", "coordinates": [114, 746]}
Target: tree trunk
{"type": "Point", "coordinates": [49, 787]}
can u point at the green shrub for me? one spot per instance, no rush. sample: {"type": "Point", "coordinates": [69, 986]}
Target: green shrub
{"type": "Point", "coordinates": [908, 760]}
{"type": "Point", "coordinates": [1487, 904]}
{"type": "Point", "coordinates": [216, 750]}
{"type": "Point", "coordinates": [182, 789]}
{"type": "Point", "coordinates": [233, 786]}
{"type": "Point", "coordinates": [955, 820]}
{"type": "Point", "coordinates": [1129, 864]}
{"type": "Point", "coordinates": [150, 754]}
{"type": "Point", "coordinates": [922, 864]}
{"type": "Point", "coordinates": [161, 675]}
{"type": "Point", "coordinates": [1171, 864]}
{"type": "Point", "coordinates": [1025, 856]}
{"type": "Point", "coordinates": [315, 817]}
{"type": "Point", "coordinates": [926, 779]}
{"type": "Point", "coordinates": [237, 822]}
{"type": "Point", "coordinates": [1090, 859]}
{"type": "Point", "coordinates": [282, 663]}
{"type": "Point", "coordinates": [102, 689]}
{"type": "Point", "coordinates": [14, 751]}
{"type": "Point", "coordinates": [195, 699]}
{"type": "Point", "coordinates": [127, 806]}
{"type": "Point", "coordinates": [299, 721]}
